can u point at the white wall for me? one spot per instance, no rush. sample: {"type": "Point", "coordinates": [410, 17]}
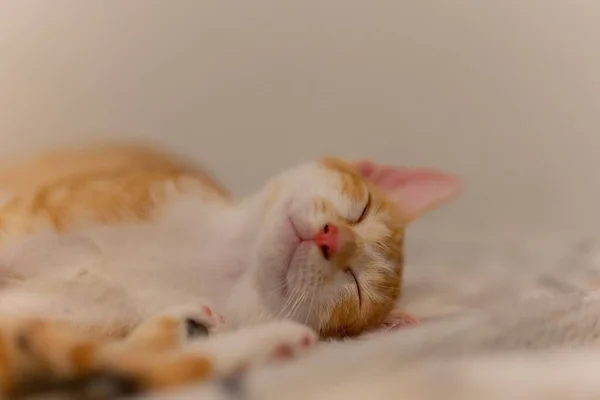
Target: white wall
{"type": "Point", "coordinates": [505, 93]}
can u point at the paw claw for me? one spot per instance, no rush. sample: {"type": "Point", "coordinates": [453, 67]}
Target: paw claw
{"type": "Point", "coordinates": [199, 320]}
{"type": "Point", "coordinates": [195, 328]}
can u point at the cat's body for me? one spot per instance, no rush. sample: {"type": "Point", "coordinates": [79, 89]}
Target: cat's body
{"type": "Point", "coordinates": [111, 244]}
{"type": "Point", "coordinates": [135, 268]}
{"type": "Point", "coordinates": [113, 237]}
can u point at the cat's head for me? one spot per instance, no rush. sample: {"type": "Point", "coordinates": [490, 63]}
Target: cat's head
{"type": "Point", "coordinates": [329, 250]}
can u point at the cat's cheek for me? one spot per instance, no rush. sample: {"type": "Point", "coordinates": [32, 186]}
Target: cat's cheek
{"type": "Point", "coordinates": [273, 251]}
{"type": "Point", "coordinates": [306, 271]}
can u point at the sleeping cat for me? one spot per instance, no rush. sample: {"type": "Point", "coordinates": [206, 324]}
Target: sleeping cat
{"type": "Point", "coordinates": [115, 258]}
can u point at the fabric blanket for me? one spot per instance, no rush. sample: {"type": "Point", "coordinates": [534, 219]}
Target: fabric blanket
{"type": "Point", "coordinates": [500, 320]}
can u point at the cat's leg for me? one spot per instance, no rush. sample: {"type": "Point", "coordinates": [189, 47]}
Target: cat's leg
{"type": "Point", "coordinates": [31, 349]}
{"type": "Point", "coordinates": [231, 352]}
{"type": "Point", "coordinates": [45, 356]}
{"type": "Point", "coordinates": [221, 355]}
{"type": "Point", "coordinates": [50, 357]}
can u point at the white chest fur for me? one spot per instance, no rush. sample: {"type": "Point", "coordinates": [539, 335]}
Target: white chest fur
{"type": "Point", "coordinates": [192, 250]}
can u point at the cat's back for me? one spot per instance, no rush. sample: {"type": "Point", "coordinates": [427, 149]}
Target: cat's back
{"type": "Point", "coordinates": [106, 185]}
{"type": "Point", "coordinates": [63, 165]}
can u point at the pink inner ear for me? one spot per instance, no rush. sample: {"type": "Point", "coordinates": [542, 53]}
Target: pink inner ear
{"type": "Point", "coordinates": [415, 190]}
{"type": "Point", "coordinates": [366, 168]}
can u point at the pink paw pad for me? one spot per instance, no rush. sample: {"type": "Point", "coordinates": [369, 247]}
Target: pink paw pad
{"type": "Point", "coordinates": [217, 322]}
{"type": "Point", "coordinates": [287, 351]}
{"type": "Point", "coordinates": [307, 341]}
{"type": "Point", "coordinates": [283, 352]}
{"type": "Point", "coordinates": [399, 320]}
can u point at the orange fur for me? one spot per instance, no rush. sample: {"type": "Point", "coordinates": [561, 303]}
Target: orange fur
{"type": "Point", "coordinates": [346, 316]}
{"type": "Point", "coordinates": [107, 185]}
{"type": "Point", "coordinates": [352, 184]}
{"type": "Point", "coordinates": [60, 165]}
{"type": "Point", "coordinates": [32, 349]}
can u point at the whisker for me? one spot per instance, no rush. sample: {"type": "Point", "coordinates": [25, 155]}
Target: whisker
{"type": "Point", "coordinates": [308, 315]}
{"type": "Point", "coordinates": [297, 304]}
{"type": "Point", "coordinates": [288, 302]}
{"type": "Point", "coordinates": [277, 289]}
{"type": "Point", "coordinates": [319, 320]}
{"type": "Point", "coordinates": [295, 298]}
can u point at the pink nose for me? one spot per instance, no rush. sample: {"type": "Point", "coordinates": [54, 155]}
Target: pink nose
{"type": "Point", "coordinates": [328, 240]}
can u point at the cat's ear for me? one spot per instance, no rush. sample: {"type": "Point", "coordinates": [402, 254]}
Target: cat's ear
{"type": "Point", "coordinates": [415, 190]}
{"type": "Point", "coordinates": [397, 319]}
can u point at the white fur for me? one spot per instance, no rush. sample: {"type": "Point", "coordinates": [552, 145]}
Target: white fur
{"type": "Point", "coordinates": [237, 257]}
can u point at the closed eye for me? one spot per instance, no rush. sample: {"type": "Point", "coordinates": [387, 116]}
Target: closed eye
{"type": "Point", "coordinates": [353, 275]}
{"type": "Point", "coordinates": [365, 210]}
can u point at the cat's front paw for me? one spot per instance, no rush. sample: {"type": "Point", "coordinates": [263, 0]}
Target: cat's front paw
{"type": "Point", "coordinates": [247, 347]}
{"type": "Point", "coordinates": [177, 326]}
{"type": "Point", "coordinates": [289, 340]}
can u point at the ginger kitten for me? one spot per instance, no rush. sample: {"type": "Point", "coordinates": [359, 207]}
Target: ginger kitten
{"type": "Point", "coordinates": [106, 251]}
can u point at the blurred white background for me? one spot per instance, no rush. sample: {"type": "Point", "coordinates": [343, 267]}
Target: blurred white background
{"type": "Point", "coordinates": [504, 93]}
